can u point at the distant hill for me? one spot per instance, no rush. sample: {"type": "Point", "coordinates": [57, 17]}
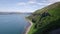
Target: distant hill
{"type": "Point", "coordinates": [46, 19]}
{"type": "Point", "coordinates": [7, 13]}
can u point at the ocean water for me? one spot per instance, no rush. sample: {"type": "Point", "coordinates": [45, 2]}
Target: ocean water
{"type": "Point", "coordinates": [12, 24]}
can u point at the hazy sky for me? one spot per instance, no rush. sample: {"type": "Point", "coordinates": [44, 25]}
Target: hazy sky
{"type": "Point", "coordinates": [23, 5]}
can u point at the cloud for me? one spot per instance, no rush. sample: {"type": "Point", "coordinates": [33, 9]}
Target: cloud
{"type": "Point", "coordinates": [53, 1]}
{"type": "Point", "coordinates": [31, 2]}
{"type": "Point", "coordinates": [31, 5]}
{"type": "Point", "coordinates": [35, 2]}
{"type": "Point", "coordinates": [21, 3]}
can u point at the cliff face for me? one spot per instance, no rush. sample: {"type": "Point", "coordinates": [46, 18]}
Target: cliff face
{"type": "Point", "coordinates": [46, 19]}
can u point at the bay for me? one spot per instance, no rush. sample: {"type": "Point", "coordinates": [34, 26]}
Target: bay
{"type": "Point", "coordinates": [12, 24]}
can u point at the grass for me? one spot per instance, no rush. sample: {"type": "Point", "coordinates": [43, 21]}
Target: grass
{"type": "Point", "coordinates": [48, 23]}
{"type": "Point", "coordinates": [32, 29]}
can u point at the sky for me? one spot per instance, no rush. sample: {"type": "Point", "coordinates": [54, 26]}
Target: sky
{"type": "Point", "coordinates": [24, 5]}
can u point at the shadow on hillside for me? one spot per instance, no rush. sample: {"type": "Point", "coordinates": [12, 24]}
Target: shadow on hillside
{"type": "Point", "coordinates": [49, 27]}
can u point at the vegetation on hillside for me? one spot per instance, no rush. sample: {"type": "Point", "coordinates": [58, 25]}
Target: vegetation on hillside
{"type": "Point", "coordinates": [46, 19]}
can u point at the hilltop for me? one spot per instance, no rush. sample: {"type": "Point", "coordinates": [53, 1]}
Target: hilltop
{"type": "Point", "coordinates": [46, 19]}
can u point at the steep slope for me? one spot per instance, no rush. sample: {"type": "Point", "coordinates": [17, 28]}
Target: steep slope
{"type": "Point", "coordinates": [46, 19]}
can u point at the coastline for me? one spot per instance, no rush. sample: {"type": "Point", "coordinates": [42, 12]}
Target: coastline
{"type": "Point", "coordinates": [27, 29]}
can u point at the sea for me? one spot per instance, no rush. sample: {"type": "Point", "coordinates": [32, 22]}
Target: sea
{"type": "Point", "coordinates": [13, 23]}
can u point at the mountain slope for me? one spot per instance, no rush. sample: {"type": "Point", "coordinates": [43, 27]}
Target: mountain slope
{"type": "Point", "coordinates": [46, 19]}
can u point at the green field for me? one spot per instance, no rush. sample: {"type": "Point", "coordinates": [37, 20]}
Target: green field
{"type": "Point", "coordinates": [46, 19]}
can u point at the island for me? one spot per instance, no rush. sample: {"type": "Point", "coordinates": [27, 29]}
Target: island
{"type": "Point", "coordinates": [45, 20]}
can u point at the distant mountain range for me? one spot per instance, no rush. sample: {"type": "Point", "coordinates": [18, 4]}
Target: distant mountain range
{"type": "Point", "coordinates": [5, 13]}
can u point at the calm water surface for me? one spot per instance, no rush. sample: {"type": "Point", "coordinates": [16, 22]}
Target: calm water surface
{"type": "Point", "coordinates": [12, 24]}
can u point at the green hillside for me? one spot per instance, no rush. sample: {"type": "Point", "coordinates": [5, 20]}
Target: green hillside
{"type": "Point", "coordinates": [46, 19]}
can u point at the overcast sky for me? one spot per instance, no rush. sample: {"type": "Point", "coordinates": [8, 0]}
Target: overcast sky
{"type": "Point", "coordinates": [23, 5]}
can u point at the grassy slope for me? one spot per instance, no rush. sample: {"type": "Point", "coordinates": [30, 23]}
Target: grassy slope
{"type": "Point", "coordinates": [49, 23]}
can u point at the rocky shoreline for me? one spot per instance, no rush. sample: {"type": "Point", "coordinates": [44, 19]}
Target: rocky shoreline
{"type": "Point", "coordinates": [27, 28]}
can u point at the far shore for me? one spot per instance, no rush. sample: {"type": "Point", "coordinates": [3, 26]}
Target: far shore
{"type": "Point", "coordinates": [27, 29]}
